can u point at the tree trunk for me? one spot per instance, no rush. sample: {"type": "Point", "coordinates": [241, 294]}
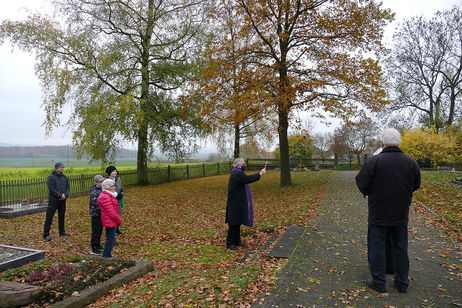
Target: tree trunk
{"type": "Point", "coordinates": [430, 113]}
{"type": "Point", "coordinates": [286, 179]}
{"type": "Point", "coordinates": [452, 105]}
{"type": "Point", "coordinates": [143, 144]}
{"type": "Point", "coordinates": [142, 161]}
{"type": "Point", "coordinates": [358, 159]}
{"type": "Point", "coordinates": [237, 137]}
{"type": "Point", "coordinates": [437, 116]}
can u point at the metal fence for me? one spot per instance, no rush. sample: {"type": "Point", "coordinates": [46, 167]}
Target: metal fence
{"type": "Point", "coordinates": [258, 163]}
{"type": "Point", "coordinates": [36, 190]}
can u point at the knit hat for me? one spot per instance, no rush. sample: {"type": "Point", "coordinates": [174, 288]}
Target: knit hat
{"type": "Point", "coordinates": [98, 178]}
{"type": "Point", "coordinates": [110, 169]}
{"type": "Point", "coordinates": [57, 165]}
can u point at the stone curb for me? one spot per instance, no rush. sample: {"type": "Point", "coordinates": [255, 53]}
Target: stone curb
{"type": "Point", "coordinates": [430, 210]}
{"type": "Point", "coordinates": [91, 294]}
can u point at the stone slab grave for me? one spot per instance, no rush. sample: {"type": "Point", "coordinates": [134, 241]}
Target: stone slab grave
{"type": "Point", "coordinates": [287, 243]}
{"type": "Point", "coordinates": [25, 208]}
{"type": "Point", "coordinates": [12, 257]}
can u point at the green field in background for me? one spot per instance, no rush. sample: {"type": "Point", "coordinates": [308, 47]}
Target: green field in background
{"type": "Point", "coordinates": [50, 162]}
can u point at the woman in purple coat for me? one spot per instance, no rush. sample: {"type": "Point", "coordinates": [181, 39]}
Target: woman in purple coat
{"type": "Point", "coordinates": [239, 208]}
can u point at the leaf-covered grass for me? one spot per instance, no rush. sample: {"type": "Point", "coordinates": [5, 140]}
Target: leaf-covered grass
{"type": "Point", "coordinates": [444, 198]}
{"type": "Point", "coordinates": [180, 227]}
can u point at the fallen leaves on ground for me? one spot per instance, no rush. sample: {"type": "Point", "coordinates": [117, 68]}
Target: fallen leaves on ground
{"type": "Point", "coordinates": [180, 227]}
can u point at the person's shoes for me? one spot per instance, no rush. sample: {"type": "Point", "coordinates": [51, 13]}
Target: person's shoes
{"type": "Point", "coordinates": [96, 252]}
{"type": "Point", "coordinates": [100, 248]}
{"type": "Point", "coordinates": [64, 234]}
{"type": "Point", "coordinates": [119, 232]}
{"type": "Point", "coordinates": [242, 245]}
{"type": "Point", "coordinates": [47, 238]}
{"type": "Point", "coordinates": [399, 288]}
{"type": "Point", "coordinates": [232, 247]}
{"type": "Point", "coordinates": [371, 285]}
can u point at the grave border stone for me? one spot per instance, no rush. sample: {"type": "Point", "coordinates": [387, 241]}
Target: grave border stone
{"type": "Point", "coordinates": [33, 256]}
{"type": "Point", "coordinates": [17, 210]}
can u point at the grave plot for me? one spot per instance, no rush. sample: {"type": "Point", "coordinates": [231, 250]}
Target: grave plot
{"type": "Point", "coordinates": [12, 257]}
{"type": "Point", "coordinates": [25, 208]}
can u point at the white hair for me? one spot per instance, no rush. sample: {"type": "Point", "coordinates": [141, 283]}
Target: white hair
{"type": "Point", "coordinates": [237, 162]}
{"type": "Point", "coordinates": [107, 183]}
{"type": "Point", "coordinates": [390, 137]}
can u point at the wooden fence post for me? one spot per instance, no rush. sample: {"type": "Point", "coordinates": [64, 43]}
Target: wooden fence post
{"type": "Point", "coordinates": [169, 177]}
{"type": "Point", "coordinates": [218, 168]}
{"type": "Point", "coordinates": [203, 168]}
{"type": "Point", "coordinates": [187, 171]}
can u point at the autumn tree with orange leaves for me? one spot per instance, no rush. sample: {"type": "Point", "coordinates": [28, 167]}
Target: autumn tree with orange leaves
{"type": "Point", "coordinates": [323, 56]}
{"type": "Point", "coordinates": [228, 93]}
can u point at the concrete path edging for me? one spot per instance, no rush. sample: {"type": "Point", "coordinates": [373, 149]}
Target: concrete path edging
{"type": "Point", "coordinates": [91, 294]}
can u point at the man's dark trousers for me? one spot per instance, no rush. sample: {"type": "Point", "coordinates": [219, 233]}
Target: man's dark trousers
{"type": "Point", "coordinates": [377, 254]}
{"type": "Point", "coordinates": [234, 236]}
{"type": "Point", "coordinates": [388, 248]}
{"type": "Point", "coordinates": [54, 205]}
{"type": "Point", "coordinates": [96, 231]}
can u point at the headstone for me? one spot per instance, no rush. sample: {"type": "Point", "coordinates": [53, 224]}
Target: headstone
{"type": "Point", "coordinates": [14, 294]}
{"type": "Point", "coordinates": [316, 167]}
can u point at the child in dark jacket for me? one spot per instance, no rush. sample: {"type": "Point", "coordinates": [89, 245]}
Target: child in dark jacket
{"type": "Point", "coordinates": [95, 213]}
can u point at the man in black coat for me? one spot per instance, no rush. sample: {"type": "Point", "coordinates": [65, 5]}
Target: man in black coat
{"type": "Point", "coordinates": [59, 189]}
{"type": "Point", "coordinates": [239, 208]}
{"type": "Point", "coordinates": [388, 180]}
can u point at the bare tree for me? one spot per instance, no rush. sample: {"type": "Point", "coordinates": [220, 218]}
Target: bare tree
{"type": "Point", "coordinates": [424, 68]}
{"type": "Point", "coordinates": [322, 143]}
{"type": "Point", "coordinates": [359, 136]}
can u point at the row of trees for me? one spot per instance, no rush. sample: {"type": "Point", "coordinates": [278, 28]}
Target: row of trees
{"type": "Point", "coordinates": [426, 144]}
{"type": "Point", "coordinates": [162, 72]}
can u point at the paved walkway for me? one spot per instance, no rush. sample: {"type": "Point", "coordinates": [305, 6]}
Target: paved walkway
{"type": "Point", "coordinates": [329, 266]}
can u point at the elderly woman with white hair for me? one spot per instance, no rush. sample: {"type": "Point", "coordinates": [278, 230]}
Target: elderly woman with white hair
{"type": "Point", "coordinates": [110, 217]}
{"type": "Point", "coordinates": [239, 208]}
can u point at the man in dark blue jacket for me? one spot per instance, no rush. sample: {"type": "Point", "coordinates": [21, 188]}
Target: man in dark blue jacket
{"type": "Point", "coordinates": [388, 180]}
{"type": "Point", "coordinates": [59, 189]}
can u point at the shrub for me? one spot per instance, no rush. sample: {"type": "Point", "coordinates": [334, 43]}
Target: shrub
{"type": "Point", "coordinates": [428, 144]}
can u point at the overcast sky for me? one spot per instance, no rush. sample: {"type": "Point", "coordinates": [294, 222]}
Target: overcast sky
{"type": "Point", "coordinates": [21, 115]}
